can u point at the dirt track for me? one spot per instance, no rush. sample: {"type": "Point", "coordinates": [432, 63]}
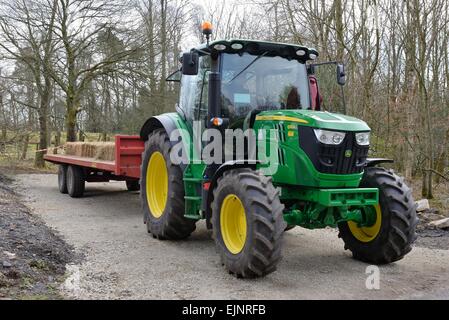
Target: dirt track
{"type": "Point", "coordinates": [123, 261]}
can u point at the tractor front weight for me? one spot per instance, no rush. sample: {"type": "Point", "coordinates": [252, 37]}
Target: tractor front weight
{"type": "Point", "coordinates": [317, 209]}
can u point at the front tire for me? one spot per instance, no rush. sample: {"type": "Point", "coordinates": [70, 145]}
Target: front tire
{"type": "Point", "coordinates": [162, 191]}
{"type": "Point", "coordinates": [248, 223]}
{"type": "Point", "coordinates": [392, 235]}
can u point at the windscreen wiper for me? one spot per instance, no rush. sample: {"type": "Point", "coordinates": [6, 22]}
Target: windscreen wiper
{"type": "Point", "coordinates": [249, 65]}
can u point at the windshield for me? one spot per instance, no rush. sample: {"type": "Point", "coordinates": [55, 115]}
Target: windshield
{"type": "Point", "coordinates": [252, 82]}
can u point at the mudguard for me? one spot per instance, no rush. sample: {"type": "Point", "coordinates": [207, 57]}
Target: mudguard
{"type": "Point", "coordinates": [372, 162]}
{"type": "Point", "coordinates": [169, 122]}
{"type": "Point", "coordinates": [164, 121]}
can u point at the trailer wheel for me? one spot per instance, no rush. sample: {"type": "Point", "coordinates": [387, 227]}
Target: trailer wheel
{"type": "Point", "coordinates": [133, 185]}
{"type": "Point", "coordinates": [162, 191]}
{"type": "Point", "coordinates": [62, 178]}
{"type": "Point", "coordinates": [391, 236]}
{"type": "Point", "coordinates": [248, 223]}
{"type": "Point", "coordinates": [75, 181]}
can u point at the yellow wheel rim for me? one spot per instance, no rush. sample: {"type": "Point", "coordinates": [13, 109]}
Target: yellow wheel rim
{"type": "Point", "coordinates": [367, 234]}
{"type": "Point", "coordinates": [157, 184]}
{"type": "Point", "coordinates": [233, 224]}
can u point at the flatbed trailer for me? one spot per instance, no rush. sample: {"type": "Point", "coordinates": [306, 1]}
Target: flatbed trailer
{"type": "Point", "coordinates": [75, 171]}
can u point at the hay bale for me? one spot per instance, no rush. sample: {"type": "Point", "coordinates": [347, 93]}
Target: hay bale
{"type": "Point", "coordinates": [105, 151]}
{"type": "Point", "coordinates": [74, 149]}
{"type": "Point", "coordinates": [98, 150]}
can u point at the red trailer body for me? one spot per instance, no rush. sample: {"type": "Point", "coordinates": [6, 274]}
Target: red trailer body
{"type": "Point", "coordinates": [128, 158]}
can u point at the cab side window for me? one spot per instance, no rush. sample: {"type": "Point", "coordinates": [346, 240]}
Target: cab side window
{"type": "Point", "coordinates": [187, 96]}
{"type": "Point", "coordinates": [202, 94]}
{"type": "Point", "coordinates": [194, 92]}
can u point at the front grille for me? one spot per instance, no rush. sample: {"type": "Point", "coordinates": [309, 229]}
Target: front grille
{"type": "Point", "coordinates": [346, 158]}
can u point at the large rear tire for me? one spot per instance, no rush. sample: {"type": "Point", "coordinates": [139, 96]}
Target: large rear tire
{"type": "Point", "coordinates": [392, 235]}
{"type": "Point", "coordinates": [162, 191]}
{"type": "Point", "coordinates": [248, 223]}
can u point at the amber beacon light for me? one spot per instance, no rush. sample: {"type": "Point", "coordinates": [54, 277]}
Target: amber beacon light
{"type": "Point", "coordinates": [207, 28]}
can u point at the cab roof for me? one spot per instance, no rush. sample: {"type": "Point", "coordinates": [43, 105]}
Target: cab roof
{"type": "Point", "coordinates": [255, 47]}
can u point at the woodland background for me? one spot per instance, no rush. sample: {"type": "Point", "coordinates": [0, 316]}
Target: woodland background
{"type": "Point", "coordinates": [88, 69]}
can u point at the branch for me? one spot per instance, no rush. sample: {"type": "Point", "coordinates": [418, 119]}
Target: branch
{"type": "Point", "coordinates": [438, 174]}
{"type": "Point", "coordinates": [21, 102]}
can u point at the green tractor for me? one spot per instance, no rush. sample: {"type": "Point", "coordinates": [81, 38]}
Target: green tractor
{"type": "Point", "coordinates": [322, 178]}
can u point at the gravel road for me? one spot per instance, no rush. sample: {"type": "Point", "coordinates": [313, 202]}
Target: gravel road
{"type": "Point", "coordinates": [123, 262]}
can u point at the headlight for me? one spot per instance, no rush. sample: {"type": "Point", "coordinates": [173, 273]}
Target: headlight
{"type": "Point", "coordinates": [363, 138]}
{"type": "Point", "coordinates": [330, 137]}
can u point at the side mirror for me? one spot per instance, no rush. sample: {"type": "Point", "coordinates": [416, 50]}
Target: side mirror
{"type": "Point", "coordinates": [190, 62]}
{"type": "Point", "coordinates": [341, 74]}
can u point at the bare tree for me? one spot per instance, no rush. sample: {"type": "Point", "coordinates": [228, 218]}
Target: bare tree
{"type": "Point", "coordinates": [78, 22]}
{"type": "Point", "coordinates": [27, 37]}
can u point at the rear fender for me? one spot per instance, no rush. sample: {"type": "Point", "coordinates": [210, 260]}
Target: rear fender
{"type": "Point", "coordinates": [373, 162]}
{"type": "Point", "coordinates": [169, 122]}
{"type": "Point", "coordinates": [165, 121]}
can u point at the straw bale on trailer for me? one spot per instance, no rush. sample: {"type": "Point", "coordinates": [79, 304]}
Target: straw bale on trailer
{"type": "Point", "coordinates": [97, 150]}
{"type": "Point", "coordinates": [105, 151]}
{"type": "Point", "coordinates": [77, 149]}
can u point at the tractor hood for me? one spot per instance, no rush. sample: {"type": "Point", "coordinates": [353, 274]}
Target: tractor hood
{"type": "Point", "coordinates": [316, 119]}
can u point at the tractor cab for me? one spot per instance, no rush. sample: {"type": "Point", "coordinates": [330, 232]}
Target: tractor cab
{"type": "Point", "coordinates": [248, 77]}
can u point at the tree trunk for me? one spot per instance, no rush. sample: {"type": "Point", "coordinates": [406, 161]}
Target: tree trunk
{"type": "Point", "coordinates": [71, 121]}
{"type": "Point", "coordinates": [151, 50]}
{"type": "Point", "coordinates": [409, 93]}
{"type": "Point", "coordinates": [441, 161]}
{"type": "Point", "coordinates": [3, 132]}
{"type": "Point", "coordinates": [44, 135]}
{"type": "Point", "coordinates": [43, 143]}
{"type": "Point", "coordinates": [424, 186]}
{"type": "Point", "coordinates": [339, 28]}
{"type": "Point", "coordinates": [58, 139]}
{"type": "Point", "coordinates": [163, 34]}
{"type": "Point", "coordinates": [3, 140]}
{"type": "Point", "coordinates": [25, 143]}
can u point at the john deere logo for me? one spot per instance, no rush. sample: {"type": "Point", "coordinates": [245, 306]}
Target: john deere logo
{"type": "Point", "coordinates": [348, 153]}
